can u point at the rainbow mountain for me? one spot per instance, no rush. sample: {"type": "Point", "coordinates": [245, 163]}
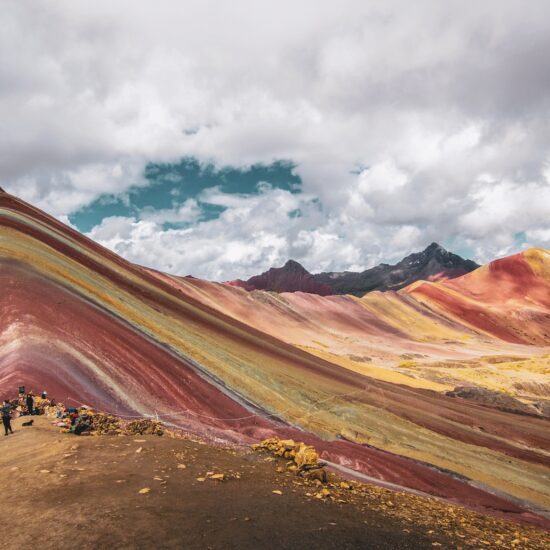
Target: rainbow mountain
{"type": "Point", "coordinates": [370, 381]}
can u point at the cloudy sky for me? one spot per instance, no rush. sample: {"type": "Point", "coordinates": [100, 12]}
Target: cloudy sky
{"type": "Point", "coordinates": [222, 138]}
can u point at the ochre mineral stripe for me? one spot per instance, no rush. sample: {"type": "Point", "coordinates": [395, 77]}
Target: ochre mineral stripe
{"type": "Point", "coordinates": [400, 407]}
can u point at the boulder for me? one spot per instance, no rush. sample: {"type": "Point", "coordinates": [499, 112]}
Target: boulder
{"type": "Point", "coordinates": [306, 456]}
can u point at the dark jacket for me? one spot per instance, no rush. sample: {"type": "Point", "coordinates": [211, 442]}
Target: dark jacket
{"type": "Point", "coordinates": [6, 411]}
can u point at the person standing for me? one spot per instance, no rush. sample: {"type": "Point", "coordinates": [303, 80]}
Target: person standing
{"type": "Point", "coordinates": [6, 417]}
{"type": "Point", "coordinates": [30, 403]}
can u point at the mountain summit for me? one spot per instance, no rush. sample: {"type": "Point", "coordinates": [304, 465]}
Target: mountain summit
{"type": "Point", "coordinates": [292, 277]}
{"type": "Point", "coordinates": [432, 264]}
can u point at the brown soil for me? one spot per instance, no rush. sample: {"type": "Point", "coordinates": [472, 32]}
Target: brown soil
{"type": "Point", "coordinates": [62, 491]}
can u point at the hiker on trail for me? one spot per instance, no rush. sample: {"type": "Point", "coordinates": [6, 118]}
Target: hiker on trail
{"type": "Point", "coordinates": [30, 402]}
{"type": "Point", "coordinates": [6, 416]}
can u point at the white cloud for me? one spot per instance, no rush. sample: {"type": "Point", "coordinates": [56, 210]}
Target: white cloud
{"type": "Point", "coordinates": [539, 237]}
{"type": "Point", "coordinates": [253, 233]}
{"type": "Point", "coordinates": [446, 103]}
{"type": "Point", "coordinates": [188, 212]}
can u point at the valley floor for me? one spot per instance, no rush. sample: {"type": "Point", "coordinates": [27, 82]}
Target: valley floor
{"type": "Point", "coordinates": [62, 491]}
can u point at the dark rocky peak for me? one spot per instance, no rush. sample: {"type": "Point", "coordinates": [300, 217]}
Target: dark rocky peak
{"type": "Point", "coordinates": [435, 247]}
{"type": "Point", "coordinates": [292, 277]}
{"type": "Point", "coordinates": [293, 266]}
{"type": "Point", "coordinates": [437, 251]}
{"type": "Point", "coordinates": [432, 263]}
{"type": "Point", "coordinates": [433, 251]}
{"type": "Point", "coordinates": [436, 254]}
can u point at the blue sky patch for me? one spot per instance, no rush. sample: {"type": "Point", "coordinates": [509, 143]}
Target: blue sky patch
{"type": "Point", "coordinates": [170, 185]}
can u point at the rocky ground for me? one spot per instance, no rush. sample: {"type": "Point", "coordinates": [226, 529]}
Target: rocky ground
{"type": "Point", "coordinates": [63, 491]}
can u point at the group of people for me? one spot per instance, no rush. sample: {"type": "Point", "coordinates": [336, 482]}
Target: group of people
{"type": "Point", "coordinates": [26, 406]}
{"type": "Point", "coordinates": [73, 420]}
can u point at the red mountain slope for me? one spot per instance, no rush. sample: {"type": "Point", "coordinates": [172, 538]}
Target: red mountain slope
{"type": "Point", "coordinates": [86, 325]}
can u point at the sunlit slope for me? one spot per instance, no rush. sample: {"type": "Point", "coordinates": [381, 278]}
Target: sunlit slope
{"type": "Point", "coordinates": [364, 335]}
{"type": "Point", "coordinates": [410, 337]}
{"type": "Point", "coordinates": [508, 298]}
{"type": "Point", "coordinates": [87, 325]}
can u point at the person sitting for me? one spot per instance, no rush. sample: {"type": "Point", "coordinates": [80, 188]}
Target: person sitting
{"type": "Point", "coordinates": [82, 426]}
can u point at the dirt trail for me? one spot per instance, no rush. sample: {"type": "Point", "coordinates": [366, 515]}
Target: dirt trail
{"type": "Point", "coordinates": [62, 491]}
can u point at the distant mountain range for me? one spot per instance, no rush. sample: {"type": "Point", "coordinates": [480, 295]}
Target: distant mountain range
{"type": "Point", "coordinates": [432, 264]}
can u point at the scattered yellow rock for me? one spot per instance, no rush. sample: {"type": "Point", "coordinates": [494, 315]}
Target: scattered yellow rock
{"type": "Point", "coordinates": [44, 471]}
{"type": "Point", "coordinates": [217, 477]}
{"type": "Point", "coordinates": [181, 466]}
{"type": "Point", "coordinates": [468, 528]}
{"type": "Point", "coordinates": [301, 457]}
{"type": "Point", "coordinates": [201, 479]}
{"type": "Point", "coordinates": [306, 455]}
{"type": "Point", "coordinates": [144, 491]}
{"type": "Point", "coordinates": [139, 450]}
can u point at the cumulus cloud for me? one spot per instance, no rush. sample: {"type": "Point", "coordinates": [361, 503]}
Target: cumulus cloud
{"type": "Point", "coordinates": [252, 231]}
{"type": "Point", "coordinates": [408, 122]}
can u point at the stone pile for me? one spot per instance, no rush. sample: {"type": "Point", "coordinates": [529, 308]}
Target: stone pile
{"type": "Point", "coordinates": [302, 459]}
{"type": "Point", "coordinates": [104, 424]}
{"type": "Point", "coordinates": [143, 427]}
{"type": "Point", "coordinates": [101, 423]}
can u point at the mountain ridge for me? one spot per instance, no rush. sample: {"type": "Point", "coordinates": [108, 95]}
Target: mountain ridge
{"type": "Point", "coordinates": [434, 263]}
